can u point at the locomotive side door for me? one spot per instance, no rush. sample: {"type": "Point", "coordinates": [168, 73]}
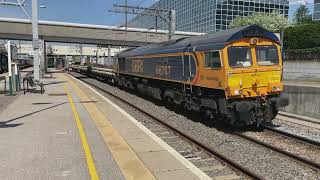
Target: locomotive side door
{"type": "Point", "coordinates": [189, 70]}
{"type": "Point", "coordinates": [212, 69]}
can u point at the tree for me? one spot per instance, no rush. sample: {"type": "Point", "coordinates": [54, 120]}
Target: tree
{"type": "Point", "coordinates": [274, 21]}
{"type": "Point", "coordinates": [302, 15]}
{"type": "Point", "coordinates": [302, 36]}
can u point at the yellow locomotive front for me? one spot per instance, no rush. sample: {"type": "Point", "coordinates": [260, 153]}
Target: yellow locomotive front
{"type": "Point", "coordinates": [254, 68]}
{"type": "Point", "coordinates": [254, 80]}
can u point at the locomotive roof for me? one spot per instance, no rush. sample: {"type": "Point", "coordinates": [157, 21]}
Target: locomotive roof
{"type": "Point", "coordinates": [211, 41]}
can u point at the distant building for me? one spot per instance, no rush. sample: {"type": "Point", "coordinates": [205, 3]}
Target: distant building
{"type": "Point", "coordinates": [208, 15]}
{"type": "Point", "coordinates": [316, 11]}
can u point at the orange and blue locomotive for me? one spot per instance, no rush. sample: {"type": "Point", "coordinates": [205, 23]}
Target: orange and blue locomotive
{"type": "Point", "coordinates": [235, 74]}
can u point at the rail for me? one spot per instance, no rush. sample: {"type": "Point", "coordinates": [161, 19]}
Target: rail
{"type": "Point", "coordinates": [293, 136]}
{"type": "Point", "coordinates": [310, 163]}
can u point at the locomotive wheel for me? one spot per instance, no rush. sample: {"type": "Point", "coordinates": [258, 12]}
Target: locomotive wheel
{"type": "Point", "coordinates": [169, 103]}
{"type": "Point", "coordinates": [207, 114]}
{"type": "Point", "coordinates": [270, 113]}
{"type": "Point", "coordinates": [274, 110]}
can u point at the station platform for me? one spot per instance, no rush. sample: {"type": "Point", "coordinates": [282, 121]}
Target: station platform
{"type": "Point", "coordinates": [73, 132]}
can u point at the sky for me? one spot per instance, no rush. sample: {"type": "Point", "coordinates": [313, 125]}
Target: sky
{"type": "Point", "coordinates": [92, 11]}
{"type": "Point", "coordinates": [76, 11]}
{"type": "Point", "coordinates": [295, 4]}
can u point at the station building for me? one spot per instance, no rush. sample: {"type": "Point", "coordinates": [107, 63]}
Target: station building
{"type": "Point", "coordinates": [316, 11]}
{"type": "Point", "coordinates": [58, 54]}
{"type": "Point", "coordinates": [208, 15]}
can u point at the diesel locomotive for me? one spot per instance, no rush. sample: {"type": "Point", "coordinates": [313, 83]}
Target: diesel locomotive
{"type": "Point", "coordinates": [235, 74]}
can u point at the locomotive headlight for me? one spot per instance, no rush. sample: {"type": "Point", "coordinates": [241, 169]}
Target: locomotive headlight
{"type": "Point", "coordinates": [234, 91]}
{"type": "Point", "coordinates": [276, 88]}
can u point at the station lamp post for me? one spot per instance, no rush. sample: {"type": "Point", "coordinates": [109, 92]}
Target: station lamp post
{"type": "Point", "coordinates": [35, 40]}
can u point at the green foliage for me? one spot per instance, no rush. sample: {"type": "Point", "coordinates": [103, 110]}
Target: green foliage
{"type": "Point", "coordinates": [302, 36]}
{"type": "Point", "coordinates": [274, 22]}
{"type": "Point", "coordinates": [302, 15]}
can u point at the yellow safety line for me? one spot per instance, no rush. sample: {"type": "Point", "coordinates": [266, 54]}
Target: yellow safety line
{"type": "Point", "coordinates": [128, 161]}
{"type": "Point", "coordinates": [85, 145]}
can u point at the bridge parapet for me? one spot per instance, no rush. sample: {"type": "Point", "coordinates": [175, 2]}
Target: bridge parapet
{"type": "Point", "coordinates": [11, 28]}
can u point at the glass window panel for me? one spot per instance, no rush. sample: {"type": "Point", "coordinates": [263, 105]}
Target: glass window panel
{"type": "Point", "coordinates": [239, 56]}
{"type": "Point", "coordinates": [267, 55]}
{"type": "Point", "coordinates": [212, 59]}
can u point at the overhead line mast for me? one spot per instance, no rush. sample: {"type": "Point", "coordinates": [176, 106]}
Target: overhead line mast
{"type": "Point", "coordinates": [168, 16]}
{"type": "Point", "coordinates": [35, 34]}
{"type": "Point", "coordinates": [126, 11]}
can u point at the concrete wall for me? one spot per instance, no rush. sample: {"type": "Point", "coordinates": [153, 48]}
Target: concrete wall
{"type": "Point", "coordinates": [303, 100]}
{"type": "Point", "coordinates": [301, 71]}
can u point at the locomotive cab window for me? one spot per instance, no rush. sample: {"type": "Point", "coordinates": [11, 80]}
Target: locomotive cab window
{"type": "Point", "coordinates": [239, 56]}
{"type": "Point", "coordinates": [267, 55]}
{"type": "Point", "coordinates": [212, 59]}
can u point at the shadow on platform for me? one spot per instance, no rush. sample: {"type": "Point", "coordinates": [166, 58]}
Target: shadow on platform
{"type": "Point", "coordinates": [4, 124]}
{"type": "Point", "coordinates": [57, 82]}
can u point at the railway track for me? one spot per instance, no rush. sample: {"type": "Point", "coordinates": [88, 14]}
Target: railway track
{"type": "Point", "coordinates": [293, 122]}
{"type": "Point", "coordinates": [292, 136]}
{"type": "Point", "coordinates": [307, 142]}
{"type": "Point", "coordinates": [308, 120]}
{"type": "Point", "coordinates": [195, 151]}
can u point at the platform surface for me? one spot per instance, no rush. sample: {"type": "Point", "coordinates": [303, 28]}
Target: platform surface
{"type": "Point", "coordinates": [72, 132]}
